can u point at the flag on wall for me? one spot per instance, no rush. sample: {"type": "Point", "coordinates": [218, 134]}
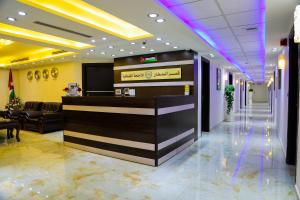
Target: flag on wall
{"type": "Point", "coordinates": [11, 86]}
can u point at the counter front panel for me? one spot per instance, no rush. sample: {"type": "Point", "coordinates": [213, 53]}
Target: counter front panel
{"type": "Point", "coordinates": [143, 130]}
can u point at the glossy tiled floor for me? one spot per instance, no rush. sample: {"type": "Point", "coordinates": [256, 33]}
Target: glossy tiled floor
{"type": "Point", "coordinates": [237, 160]}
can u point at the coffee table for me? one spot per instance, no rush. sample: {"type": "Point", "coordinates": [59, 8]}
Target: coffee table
{"type": "Point", "coordinates": [10, 125]}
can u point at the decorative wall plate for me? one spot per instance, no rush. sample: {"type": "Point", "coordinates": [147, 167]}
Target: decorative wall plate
{"type": "Point", "coordinates": [45, 74]}
{"type": "Point", "coordinates": [54, 72]}
{"type": "Point", "coordinates": [37, 75]}
{"type": "Point", "coordinates": [29, 75]}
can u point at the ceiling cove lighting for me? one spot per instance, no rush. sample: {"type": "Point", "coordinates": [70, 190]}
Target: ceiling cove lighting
{"type": "Point", "coordinates": [4, 42]}
{"type": "Point", "coordinates": [81, 12]}
{"type": "Point", "coordinates": [38, 56]}
{"type": "Point", "coordinates": [187, 18]}
{"type": "Point", "coordinates": [18, 32]}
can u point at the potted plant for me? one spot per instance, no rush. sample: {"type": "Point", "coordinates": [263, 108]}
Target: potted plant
{"type": "Point", "coordinates": [14, 104]}
{"type": "Point", "coordinates": [229, 97]}
{"type": "Point", "coordinates": [73, 89]}
{"type": "Point", "coordinates": [251, 91]}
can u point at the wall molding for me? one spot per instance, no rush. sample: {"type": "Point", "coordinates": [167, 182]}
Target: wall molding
{"type": "Point", "coordinates": [153, 65]}
{"type": "Point", "coordinates": [154, 84]}
{"type": "Point", "coordinates": [297, 191]}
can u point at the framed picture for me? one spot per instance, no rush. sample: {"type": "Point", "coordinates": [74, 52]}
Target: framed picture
{"type": "Point", "coordinates": [219, 82]}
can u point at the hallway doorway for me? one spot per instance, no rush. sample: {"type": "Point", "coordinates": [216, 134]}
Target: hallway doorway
{"type": "Point", "coordinates": [292, 130]}
{"type": "Point", "coordinates": [205, 111]}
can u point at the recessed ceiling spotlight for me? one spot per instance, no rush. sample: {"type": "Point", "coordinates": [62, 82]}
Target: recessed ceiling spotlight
{"type": "Point", "coordinates": [175, 47]}
{"type": "Point", "coordinates": [104, 38]}
{"type": "Point", "coordinates": [158, 39]}
{"type": "Point", "coordinates": [74, 56]}
{"type": "Point", "coordinates": [93, 41]}
{"type": "Point", "coordinates": [160, 20]}
{"type": "Point", "coordinates": [167, 43]}
{"type": "Point", "coordinates": [143, 47]}
{"type": "Point", "coordinates": [11, 19]}
{"type": "Point", "coordinates": [131, 52]}
{"type": "Point", "coordinates": [211, 55]}
{"type": "Point", "coordinates": [92, 50]}
{"type": "Point", "coordinates": [102, 53]}
{"type": "Point", "coordinates": [122, 50]}
{"type": "Point", "coordinates": [274, 49]}
{"type": "Point", "coordinates": [132, 43]}
{"type": "Point", "coordinates": [87, 53]}
{"type": "Point", "coordinates": [153, 15]}
{"type": "Point", "coordinates": [22, 13]}
{"type": "Point", "coordinates": [110, 47]}
{"type": "Point", "coordinates": [151, 50]}
{"type": "Point", "coordinates": [113, 55]}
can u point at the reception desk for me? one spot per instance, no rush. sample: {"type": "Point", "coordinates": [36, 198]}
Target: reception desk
{"type": "Point", "coordinates": [147, 130]}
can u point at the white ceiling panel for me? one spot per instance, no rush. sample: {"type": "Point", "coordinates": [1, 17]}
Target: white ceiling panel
{"type": "Point", "coordinates": [212, 23]}
{"type": "Point", "coordinates": [222, 33]}
{"type": "Point", "coordinates": [179, 2]}
{"type": "Point", "coordinates": [235, 6]}
{"type": "Point", "coordinates": [242, 30]}
{"type": "Point", "coordinates": [245, 18]}
{"type": "Point", "coordinates": [254, 37]}
{"type": "Point", "coordinates": [201, 9]}
{"type": "Point", "coordinates": [250, 46]}
{"type": "Point", "coordinates": [229, 43]}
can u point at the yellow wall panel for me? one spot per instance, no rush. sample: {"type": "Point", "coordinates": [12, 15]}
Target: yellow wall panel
{"type": "Point", "coordinates": [50, 90]}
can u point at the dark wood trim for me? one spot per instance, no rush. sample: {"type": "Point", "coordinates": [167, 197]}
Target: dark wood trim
{"type": "Point", "coordinates": [86, 79]}
{"type": "Point", "coordinates": [161, 57]}
{"type": "Point", "coordinates": [293, 100]}
{"type": "Point", "coordinates": [205, 79]}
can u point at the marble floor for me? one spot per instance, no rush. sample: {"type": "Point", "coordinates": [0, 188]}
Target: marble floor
{"type": "Point", "coordinates": [242, 159]}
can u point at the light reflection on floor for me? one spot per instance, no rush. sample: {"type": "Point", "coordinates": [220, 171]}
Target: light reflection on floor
{"type": "Point", "coordinates": [237, 160]}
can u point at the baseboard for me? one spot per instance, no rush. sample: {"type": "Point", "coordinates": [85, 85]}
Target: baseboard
{"type": "Point", "coordinates": [297, 192]}
{"type": "Point", "coordinates": [282, 146]}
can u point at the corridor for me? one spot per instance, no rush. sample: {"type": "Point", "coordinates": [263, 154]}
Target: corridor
{"type": "Point", "coordinates": [237, 160]}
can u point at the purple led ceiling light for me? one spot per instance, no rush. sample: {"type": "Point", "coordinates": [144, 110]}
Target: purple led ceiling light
{"type": "Point", "coordinates": [198, 28]}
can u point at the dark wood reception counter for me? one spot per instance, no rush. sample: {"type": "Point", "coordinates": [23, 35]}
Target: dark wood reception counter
{"type": "Point", "coordinates": [148, 130]}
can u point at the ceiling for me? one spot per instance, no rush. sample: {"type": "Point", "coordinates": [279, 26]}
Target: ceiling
{"type": "Point", "coordinates": [225, 20]}
{"type": "Point", "coordinates": [233, 28]}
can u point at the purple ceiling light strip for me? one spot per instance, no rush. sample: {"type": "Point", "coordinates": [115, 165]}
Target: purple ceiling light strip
{"type": "Point", "coordinates": [263, 37]}
{"type": "Point", "coordinates": [205, 35]}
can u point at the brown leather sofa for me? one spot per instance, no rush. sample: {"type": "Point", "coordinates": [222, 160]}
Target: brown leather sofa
{"type": "Point", "coordinates": [48, 119]}
{"type": "Point", "coordinates": [19, 114]}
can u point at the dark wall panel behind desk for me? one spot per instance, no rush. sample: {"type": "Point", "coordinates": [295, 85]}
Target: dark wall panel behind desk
{"type": "Point", "coordinates": [177, 59]}
{"type": "Point", "coordinates": [97, 79]}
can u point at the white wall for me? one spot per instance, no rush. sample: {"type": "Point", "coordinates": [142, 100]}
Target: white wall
{"type": "Point", "coordinates": [260, 93]}
{"type": "Point", "coordinates": [236, 104]}
{"type": "Point", "coordinates": [282, 105]}
{"type": "Point", "coordinates": [216, 96]}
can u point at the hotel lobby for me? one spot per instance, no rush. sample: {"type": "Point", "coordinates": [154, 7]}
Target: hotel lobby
{"type": "Point", "coordinates": [149, 99]}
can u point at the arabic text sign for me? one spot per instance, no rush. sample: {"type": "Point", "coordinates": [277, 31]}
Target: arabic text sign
{"type": "Point", "coordinates": [155, 74]}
